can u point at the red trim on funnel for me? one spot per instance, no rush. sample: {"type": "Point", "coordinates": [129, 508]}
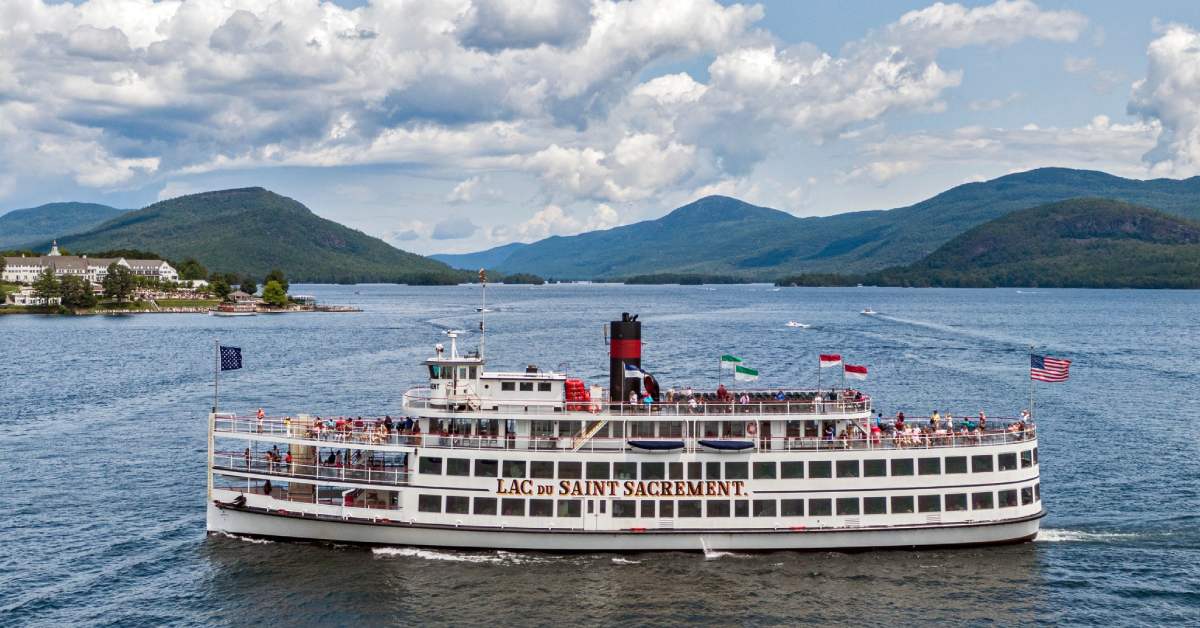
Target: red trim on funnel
{"type": "Point", "coordinates": [628, 349]}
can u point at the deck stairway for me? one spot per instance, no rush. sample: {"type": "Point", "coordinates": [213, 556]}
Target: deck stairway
{"type": "Point", "coordinates": [583, 437]}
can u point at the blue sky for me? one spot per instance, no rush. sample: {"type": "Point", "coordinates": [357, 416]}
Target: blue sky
{"type": "Point", "coordinates": [456, 125]}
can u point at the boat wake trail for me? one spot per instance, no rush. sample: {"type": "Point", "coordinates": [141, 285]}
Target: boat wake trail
{"type": "Point", "coordinates": [1054, 535]}
{"type": "Point", "coordinates": [625, 561]}
{"type": "Point", "coordinates": [494, 558]}
{"type": "Point", "coordinates": [247, 539]}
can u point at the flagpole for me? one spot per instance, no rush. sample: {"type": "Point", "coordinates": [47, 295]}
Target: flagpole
{"type": "Point", "coordinates": [216, 370]}
{"type": "Point", "coordinates": [1031, 384]}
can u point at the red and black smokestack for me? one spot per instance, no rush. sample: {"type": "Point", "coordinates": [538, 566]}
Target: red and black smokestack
{"type": "Point", "coordinates": [625, 347]}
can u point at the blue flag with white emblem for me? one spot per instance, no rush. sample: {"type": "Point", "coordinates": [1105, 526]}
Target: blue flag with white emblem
{"type": "Point", "coordinates": [231, 358]}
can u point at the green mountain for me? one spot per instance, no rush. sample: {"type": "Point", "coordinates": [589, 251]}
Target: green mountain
{"type": "Point", "coordinates": [252, 230]}
{"type": "Point", "coordinates": [1080, 243]}
{"type": "Point", "coordinates": [724, 236]}
{"type": "Point", "coordinates": [53, 220]}
{"type": "Point", "coordinates": [491, 258]}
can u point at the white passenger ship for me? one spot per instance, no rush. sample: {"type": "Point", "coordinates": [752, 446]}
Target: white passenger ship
{"type": "Point", "coordinates": [536, 460]}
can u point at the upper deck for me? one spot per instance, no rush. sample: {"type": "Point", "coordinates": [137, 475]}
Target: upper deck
{"type": "Point", "coordinates": [779, 403]}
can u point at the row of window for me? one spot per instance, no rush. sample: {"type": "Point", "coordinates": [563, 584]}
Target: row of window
{"type": "Point", "coordinates": [813, 507]}
{"type": "Point", "coordinates": [763, 470]}
{"type": "Point", "coordinates": [525, 386]}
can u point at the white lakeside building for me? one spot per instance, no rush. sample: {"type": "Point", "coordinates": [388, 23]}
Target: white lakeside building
{"type": "Point", "coordinates": [25, 270]}
{"type": "Point", "coordinates": [535, 460]}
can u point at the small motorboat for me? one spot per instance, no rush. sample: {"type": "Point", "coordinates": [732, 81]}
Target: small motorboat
{"type": "Point", "coordinates": [727, 446]}
{"type": "Point", "coordinates": [869, 312]}
{"type": "Point", "coordinates": [484, 309]}
{"type": "Point", "coordinates": [657, 446]}
{"type": "Point", "coordinates": [233, 309]}
{"type": "Point", "coordinates": [797, 325]}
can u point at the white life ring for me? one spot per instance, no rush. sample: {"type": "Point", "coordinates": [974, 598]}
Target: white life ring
{"type": "Point", "coordinates": [752, 428]}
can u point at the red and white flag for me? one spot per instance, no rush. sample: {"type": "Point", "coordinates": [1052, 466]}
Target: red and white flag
{"type": "Point", "coordinates": [856, 372]}
{"type": "Point", "coordinates": [830, 359]}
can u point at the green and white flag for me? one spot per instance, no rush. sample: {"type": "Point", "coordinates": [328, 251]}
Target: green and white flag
{"type": "Point", "coordinates": [728, 361]}
{"type": "Point", "coordinates": [744, 373]}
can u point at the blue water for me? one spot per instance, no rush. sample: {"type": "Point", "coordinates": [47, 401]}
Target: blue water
{"type": "Point", "coordinates": [102, 441]}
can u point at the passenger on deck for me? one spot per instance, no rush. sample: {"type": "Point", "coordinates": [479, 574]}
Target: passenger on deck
{"type": "Point", "coordinates": [692, 405]}
{"type": "Point", "coordinates": [744, 400]}
{"type": "Point", "coordinates": [649, 401]}
{"type": "Point", "coordinates": [266, 488]}
{"type": "Point", "coordinates": [780, 396]}
{"type": "Point", "coordinates": [899, 421]}
{"type": "Point", "coordinates": [633, 398]}
{"type": "Point", "coordinates": [982, 421]}
{"type": "Point", "coordinates": [387, 422]}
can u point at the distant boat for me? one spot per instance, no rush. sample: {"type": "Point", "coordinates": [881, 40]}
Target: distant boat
{"type": "Point", "coordinates": [775, 289]}
{"type": "Point", "coordinates": [484, 309]}
{"type": "Point", "coordinates": [797, 324]}
{"type": "Point", "coordinates": [869, 312]}
{"type": "Point", "coordinates": [233, 309]}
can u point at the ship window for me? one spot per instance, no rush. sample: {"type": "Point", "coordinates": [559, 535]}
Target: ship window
{"type": "Point", "coordinates": [429, 503]}
{"type": "Point", "coordinates": [675, 470]}
{"type": "Point", "coordinates": [981, 501]}
{"type": "Point", "coordinates": [847, 506]}
{"type": "Point", "coordinates": [641, 429]}
{"type": "Point", "coordinates": [458, 466]}
{"type": "Point", "coordinates": [874, 505]}
{"type": "Point", "coordinates": [737, 471]}
{"type": "Point", "coordinates": [956, 501]}
{"type": "Point", "coordinates": [689, 508]}
{"type": "Point", "coordinates": [791, 469]}
{"type": "Point", "coordinates": [929, 503]}
{"type": "Point", "coordinates": [929, 466]}
{"type": "Point", "coordinates": [570, 470]}
{"type": "Point", "coordinates": [485, 468]}
{"type": "Point", "coordinates": [819, 469]}
{"type": "Point", "coordinates": [473, 372]}
{"type": "Point", "coordinates": [763, 471]}
{"type": "Point", "coordinates": [568, 508]}
{"type": "Point", "coordinates": [981, 464]}
{"type": "Point", "coordinates": [431, 466]}
{"type": "Point", "coordinates": [956, 464]}
{"type": "Point", "coordinates": [791, 507]}
{"type": "Point", "coordinates": [653, 471]}
{"type": "Point", "coordinates": [666, 509]}
{"type": "Point", "coordinates": [647, 507]}
{"type": "Point", "coordinates": [764, 508]}
{"type": "Point", "coordinates": [1035, 459]}
{"type": "Point", "coordinates": [820, 507]}
{"type": "Point", "coordinates": [568, 429]}
{"type": "Point", "coordinates": [847, 468]}
{"type": "Point", "coordinates": [543, 386]}
{"type": "Point", "coordinates": [527, 386]}
{"type": "Point", "coordinates": [874, 468]}
{"type": "Point", "coordinates": [625, 470]}
{"type": "Point", "coordinates": [1037, 491]}
{"type": "Point", "coordinates": [514, 468]}
{"type": "Point", "coordinates": [1027, 496]}
{"type": "Point", "coordinates": [902, 466]}
{"type": "Point", "coordinates": [902, 504]}
{"type": "Point", "coordinates": [1007, 499]}
{"type": "Point", "coordinates": [1006, 462]}
{"type": "Point", "coordinates": [541, 508]}
{"type": "Point", "coordinates": [713, 469]}
{"type": "Point", "coordinates": [741, 508]}
{"type": "Point", "coordinates": [462, 372]}
{"type": "Point", "coordinates": [695, 471]}
{"type": "Point", "coordinates": [541, 469]}
{"type": "Point", "coordinates": [512, 507]}
{"type": "Point", "coordinates": [508, 386]}
{"type": "Point", "coordinates": [458, 505]}
{"type": "Point", "coordinates": [597, 471]}
{"type": "Point", "coordinates": [1026, 458]}
{"type": "Point", "coordinates": [717, 508]}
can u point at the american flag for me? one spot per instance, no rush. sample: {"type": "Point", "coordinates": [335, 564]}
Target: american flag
{"type": "Point", "coordinates": [1044, 368]}
{"type": "Point", "coordinates": [231, 358]}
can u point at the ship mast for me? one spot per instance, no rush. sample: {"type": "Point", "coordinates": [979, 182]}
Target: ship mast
{"type": "Point", "coordinates": [482, 310]}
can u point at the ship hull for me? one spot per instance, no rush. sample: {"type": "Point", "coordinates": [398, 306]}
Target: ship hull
{"type": "Point", "coordinates": [266, 524]}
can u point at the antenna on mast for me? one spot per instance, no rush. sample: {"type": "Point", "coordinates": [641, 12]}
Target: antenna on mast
{"type": "Point", "coordinates": [482, 310]}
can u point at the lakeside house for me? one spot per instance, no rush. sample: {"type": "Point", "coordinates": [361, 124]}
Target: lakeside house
{"type": "Point", "coordinates": [26, 297]}
{"type": "Point", "coordinates": [25, 270]}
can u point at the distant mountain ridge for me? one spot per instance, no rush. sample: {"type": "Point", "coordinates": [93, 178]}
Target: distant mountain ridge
{"type": "Point", "coordinates": [253, 230]}
{"type": "Point", "coordinates": [1079, 243]}
{"type": "Point", "coordinates": [718, 235]}
{"type": "Point", "coordinates": [44, 222]}
{"type": "Point", "coordinates": [490, 258]}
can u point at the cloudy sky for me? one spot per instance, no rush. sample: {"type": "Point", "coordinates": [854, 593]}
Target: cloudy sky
{"type": "Point", "coordinates": [449, 126]}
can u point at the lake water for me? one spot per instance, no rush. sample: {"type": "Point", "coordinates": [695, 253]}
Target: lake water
{"type": "Point", "coordinates": [102, 447]}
